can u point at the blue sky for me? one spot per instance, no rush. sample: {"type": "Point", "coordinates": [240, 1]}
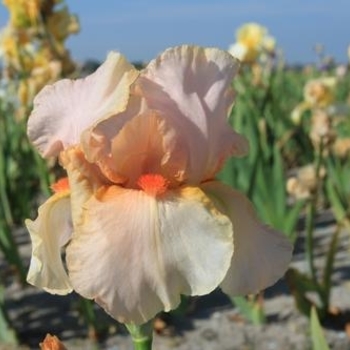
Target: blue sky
{"type": "Point", "coordinates": [141, 29]}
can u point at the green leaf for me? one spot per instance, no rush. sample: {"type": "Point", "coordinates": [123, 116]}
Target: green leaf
{"type": "Point", "coordinates": [336, 203]}
{"type": "Point", "coordinates": [252, 309]}
{"type": "Point", "coordinates": [7, 334]}
{"type": "Point", "coordinates": [291, 220]}
{"type": "Point", "coordinates": [317, 336]}
{"type": "Point", "coordinates": [279, 178]}
{"type": "Point", "coordinates": [299, 284]}
{"type": "Point", "coordinates": [328, 269]}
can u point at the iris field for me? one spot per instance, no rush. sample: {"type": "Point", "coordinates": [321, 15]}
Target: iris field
{"type": "Point", "coordinates": [297, 123]}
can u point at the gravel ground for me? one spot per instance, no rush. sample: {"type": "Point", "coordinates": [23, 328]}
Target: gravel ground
{"type": "Point", "coordinates": [210, 322]}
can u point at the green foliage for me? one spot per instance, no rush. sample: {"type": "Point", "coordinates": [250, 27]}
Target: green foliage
{"type": "Point", "coordinates": [301, 284]}
{"type": "Point", "coordinates": [262, 113]}
{"type": "Point", "coordinates": [22, 175]}
{"type": "Point", "coordinates": [338, 188]}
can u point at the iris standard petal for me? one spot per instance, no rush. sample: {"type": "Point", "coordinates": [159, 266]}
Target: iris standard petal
{"type": "Point", "coordinates": [49, 232]}
{"type": "Point", "coordinates": [192, 86]}
{"type": "Point", "coordinates": [62, 111]}
{"type": "Point", "coordinates": [136, 254]}
{"type": "Point", "coordinates": [261, 254]}
{"type": "Point", "coordinates": [157, 150]}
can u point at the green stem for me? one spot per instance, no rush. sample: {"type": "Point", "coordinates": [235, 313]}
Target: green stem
{"type": "Point", "coordinates": [310, 240]}
{"type": "Point", "coordinates": [310, 223]}
{"type": "Point", "coordinates": [142, 335]}
{"type": "Point", "coordinates": [328, 270]}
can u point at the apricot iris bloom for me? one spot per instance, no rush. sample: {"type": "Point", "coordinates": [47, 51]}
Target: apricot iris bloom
{"type": "Point", "coordinates": [142, 218]}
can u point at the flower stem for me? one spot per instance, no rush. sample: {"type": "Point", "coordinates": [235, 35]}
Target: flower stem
{"type": "Point", "coordinates": [142, 335]}
{"type": "Point", "coordinates": [310, 222]}
{"type": "Point", "coordinates": [309, 240]}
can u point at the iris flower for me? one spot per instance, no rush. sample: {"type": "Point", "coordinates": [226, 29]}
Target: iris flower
{"type": "Point", "coordinates": [141, 217]}
{"type": "Point", "coordinates": [252, 39]}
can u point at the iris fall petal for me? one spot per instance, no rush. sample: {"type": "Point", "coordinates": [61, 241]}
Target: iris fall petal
{"type": "Point", "coordinates": [49, 232]}
{"type": "Point", "coordinates": [136, 254]}
{"type": "Point", "coordinates": [261, 254]}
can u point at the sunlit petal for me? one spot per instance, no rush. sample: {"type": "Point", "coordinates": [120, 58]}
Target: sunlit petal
{"type": "Point", "coordinates": [192, 86]}
{"type": "Point", "coordinates": [136, 254]}
{"type": "Point", "coordinates": [62, 111]}
{"type": "Point", "coordinates": [261, 254]}
{"type": "Point", "coordinates": [49, 232]}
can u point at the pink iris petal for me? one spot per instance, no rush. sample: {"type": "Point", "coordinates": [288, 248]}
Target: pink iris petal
{"type": "Point", "coordinates": [191, 86]}
{"type": "Point", "coordinates": [261, 254]}
{"type": "Point", "coordinates": [62, 111]}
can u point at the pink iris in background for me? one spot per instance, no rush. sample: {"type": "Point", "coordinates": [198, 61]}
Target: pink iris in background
{"type": "Point", "coordinates": [141, 217]}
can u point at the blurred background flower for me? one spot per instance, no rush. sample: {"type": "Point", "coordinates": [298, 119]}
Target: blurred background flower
{"type": "Point", "coordinates": [32, 47]}
{"type": "Point", "coordinates": [252, 41]}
